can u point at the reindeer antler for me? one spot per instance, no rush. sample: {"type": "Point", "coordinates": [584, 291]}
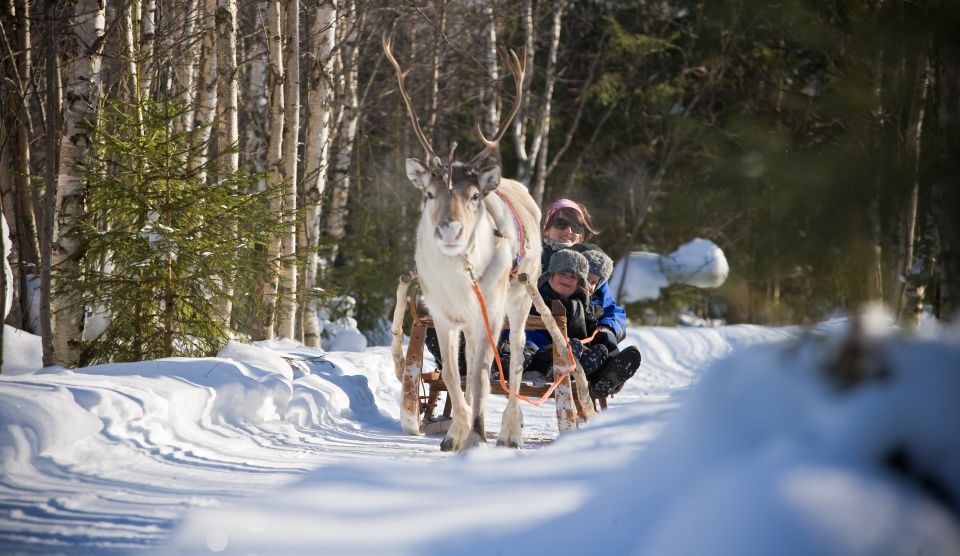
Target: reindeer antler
{"type": "Point", "coordinates": [432, 159]}
{"type": "Point", "coordinates": [517, 66]}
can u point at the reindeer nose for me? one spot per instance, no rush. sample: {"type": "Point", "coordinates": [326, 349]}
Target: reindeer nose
{"type": "Point", "coordinates": [448, 230]}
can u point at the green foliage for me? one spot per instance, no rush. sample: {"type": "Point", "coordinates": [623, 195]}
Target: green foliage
{"type": "Point", "coordinates": [162, 251]}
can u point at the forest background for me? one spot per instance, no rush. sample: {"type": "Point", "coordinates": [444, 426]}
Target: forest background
{"type": "Point", "coordinates": [178, 171]}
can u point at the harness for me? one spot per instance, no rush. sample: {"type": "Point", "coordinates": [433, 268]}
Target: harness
{"type": "Point", "coordinates": [522, 241]}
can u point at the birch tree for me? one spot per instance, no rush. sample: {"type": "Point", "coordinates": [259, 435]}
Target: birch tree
{"type": "Point", "coordinates": [148, 27]}
{"type": "Point", "coordinates": [491, 111]}
{"type": "Point", "coordinates": [227, 106]}
{"type": "Point", "coordinates": [291, 131]}
{"type": "Point", "coordinates": [206, 95]}
{"type": "Point", "coordinates": [81, 78]}
{"type": "Point", "coordinates": [274, 157]}
{"type": "Point", "coordinates": [533, 158]}
{"type": "Point", "coordinates": [316, 163]}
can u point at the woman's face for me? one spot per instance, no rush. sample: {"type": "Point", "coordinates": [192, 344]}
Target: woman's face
{"type": "Point", "coordinates": [564, 284]}
{"type": "Point", "coordinates": [565, 230]}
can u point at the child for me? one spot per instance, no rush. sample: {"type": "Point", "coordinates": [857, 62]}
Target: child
{"type": "Point", "coordinates": [621, 364]}
{"type": "Point", "coordinates": [565, 280]}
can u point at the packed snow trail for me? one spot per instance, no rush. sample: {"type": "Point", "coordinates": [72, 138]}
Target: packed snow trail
{"type": "Point", "coordinates": [109, 459]}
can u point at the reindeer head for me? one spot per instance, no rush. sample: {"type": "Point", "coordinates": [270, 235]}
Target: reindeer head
{"type": "Point", "coordinates": [453, 200]}
{"type": "Point", "coordinates": [454, 191]}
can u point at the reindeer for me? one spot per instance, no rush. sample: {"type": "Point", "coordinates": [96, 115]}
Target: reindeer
{"type": "Point", "coordinates": [474, 226]}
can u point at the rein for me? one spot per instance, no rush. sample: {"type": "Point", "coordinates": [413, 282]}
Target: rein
{"type": "Point", "coordinates": [496, 353]}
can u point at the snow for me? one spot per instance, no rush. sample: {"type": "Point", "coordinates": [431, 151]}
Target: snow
{"type": "Point", "coordinates": [700, 263]}
{"type": "Point", "coordinates": [730, 440]}
{"type": "Point", "coordinates": [7, 271]}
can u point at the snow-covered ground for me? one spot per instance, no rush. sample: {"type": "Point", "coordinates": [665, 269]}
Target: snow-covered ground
{"type": "Point", "coordinates": [279, 449]}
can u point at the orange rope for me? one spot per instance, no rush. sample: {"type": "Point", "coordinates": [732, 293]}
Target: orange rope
{"type": "Point", "coordinates": [496, 355]}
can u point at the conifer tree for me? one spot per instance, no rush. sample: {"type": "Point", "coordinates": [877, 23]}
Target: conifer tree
{"type": "Point", "coordinates": [161, 249]}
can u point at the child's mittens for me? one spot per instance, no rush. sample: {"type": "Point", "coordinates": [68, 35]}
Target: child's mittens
{"type": "Point", "coordinates": [606, 337]}
{"type": "Point", "coordinates": [593, 357]}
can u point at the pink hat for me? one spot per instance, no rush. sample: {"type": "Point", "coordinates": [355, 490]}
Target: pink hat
{"type": "Point", "coordinates": [556, 206]}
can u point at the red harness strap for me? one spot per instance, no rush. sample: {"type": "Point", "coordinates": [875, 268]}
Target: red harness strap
{"type": "Point", "coordinates": [516, 222]}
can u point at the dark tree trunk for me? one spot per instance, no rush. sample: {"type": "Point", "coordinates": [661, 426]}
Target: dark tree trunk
{"type": "Point", "coordinates": [946, 185]}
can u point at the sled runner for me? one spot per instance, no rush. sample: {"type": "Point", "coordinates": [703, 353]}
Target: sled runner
{"type": "Point", "coordinates": [421, 388]}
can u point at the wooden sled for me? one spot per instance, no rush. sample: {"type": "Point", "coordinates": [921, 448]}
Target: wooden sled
{"type": "Point", "coordinates": [421, 388]}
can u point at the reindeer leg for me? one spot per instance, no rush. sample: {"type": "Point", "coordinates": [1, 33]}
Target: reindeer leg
{"type": "Point", "coordinates": [460, 427]}
{"type": "Point", "coordinates": [511, 429]}
{"type": "Point", "coordinates": [478, 386]}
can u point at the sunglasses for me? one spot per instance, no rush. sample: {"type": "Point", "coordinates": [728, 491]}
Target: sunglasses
{"type": "Point", "coordinates": [563, 223]}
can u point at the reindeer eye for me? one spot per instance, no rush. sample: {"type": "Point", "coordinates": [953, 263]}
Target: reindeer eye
{"type": "Point", "coordinates": [475, 197]}
{"type": "Point", "coordinates": [429, 194]}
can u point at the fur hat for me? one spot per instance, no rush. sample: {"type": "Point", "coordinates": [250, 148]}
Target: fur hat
{"type": "Point", "coordinates": [570, 262]}
{"type": "Point", "coordinates": [600, 263]}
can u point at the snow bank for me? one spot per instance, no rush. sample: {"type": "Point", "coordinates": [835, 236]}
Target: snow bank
{"type": "Point", "coordinates": [700, 263]}
{"type": "Point", "coordinates": [7, 271]}
{"type": "Point", "coordinates": [22, 351]}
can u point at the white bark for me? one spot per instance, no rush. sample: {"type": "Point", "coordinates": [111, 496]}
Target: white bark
{"type": "Point", "coordinates": [520, 122]}
{"type": "Point", "coordinates": [319, 105]}
{"type": "Point", "coordinates": [346, 134]}
{"type": "Point", "coordinates": [82, 62]}
{"type": "Point", "coordinates": [274, 155]}
{"type": "Point", "coordinates": [291, 131]}
{"type": "Point", "coordinates": [491, 112]}
{"type": "Point", "coordinates": [185, 63]}
{"type": "Point", "coordinates": [227, 109]}
{"type": "Point", "coordinates": [538, 147]}
{"type": "Point", "coordinates": [433, 117]}
{"type": "Point", "coordinates": [207, 86]}
{"type": "Point", "coordinates": [148, 29]}
{"type": "Point", "coordinates": [130, 52]}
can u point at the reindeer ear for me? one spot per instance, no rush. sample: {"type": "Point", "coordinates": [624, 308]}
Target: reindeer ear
{"type": "Point", "coordinates": [418, 173]}
{"type": "Point", "coordinates": [489, 179]}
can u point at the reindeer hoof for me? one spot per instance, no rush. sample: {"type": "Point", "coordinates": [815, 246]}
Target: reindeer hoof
{"type": "Point", "coordinates": [473, 441]}
{"type": "Point", "coordinates": [446, 445]}
{"type": "Point", "coordinates": [508, 443]}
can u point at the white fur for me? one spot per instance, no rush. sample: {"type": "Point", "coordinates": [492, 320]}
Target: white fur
{"type": "Point", "coordinates": [449, 296]}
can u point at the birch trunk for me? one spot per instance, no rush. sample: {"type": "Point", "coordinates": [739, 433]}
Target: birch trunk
{"type": "Point", "coordinates": [346, 134]}
{"type": "Point", "coordinates": [130, 52]}
{"type": "Point", "coordinates": [520, 122]}
{"type": "Point", "coordinates": [491, 104]}
{"type": "Point", "coordinates": [48, 203]}
{"type": "Point", "coordinates": [185, 63]}
{"type": "Point", "coordinates": [148, 29]}
{"type": "Point", "coordinates": [254, 116]}
{"type": "Point", "coordinates": [319, 105]}
{"type": "Point", "coordinates": [433, 117]}
{"type": "Point", "coordinates": [80, 91]}
{"type": "Point", "coordinates": [291, 131]}
{"type": "Point", "coordinates": [228, 135]}
{"type": "Point", "coordinates": [206, 103]}
{"type": "Point", "coordinates": [538, 143]}
{"type": "Point", "coordinates": [528, 156]}
{"type": "Point", "coordinates": [274, 159]}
